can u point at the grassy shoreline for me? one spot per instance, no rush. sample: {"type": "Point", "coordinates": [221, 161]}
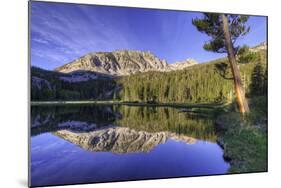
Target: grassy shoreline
{"type": "Point", "coordinates": [244, 138]}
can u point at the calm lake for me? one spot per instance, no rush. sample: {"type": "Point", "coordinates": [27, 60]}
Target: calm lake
{"type": "Point", "coordinates": [97, 143]}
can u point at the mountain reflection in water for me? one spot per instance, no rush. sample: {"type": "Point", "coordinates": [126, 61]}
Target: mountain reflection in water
{"type": "Point", "coordinates": [120, 139]}
{"type": "Point", "coordinates": [96, 143]}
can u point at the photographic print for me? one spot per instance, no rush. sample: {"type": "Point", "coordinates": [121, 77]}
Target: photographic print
{"type": "Point", "coordinates": [123, 93]}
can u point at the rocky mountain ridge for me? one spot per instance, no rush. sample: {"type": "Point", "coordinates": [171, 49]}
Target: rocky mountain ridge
{"type": "Point", "coordinates": [122, 62]}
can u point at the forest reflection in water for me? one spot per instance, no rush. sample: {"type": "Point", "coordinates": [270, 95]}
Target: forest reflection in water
{"type": "Point", "coordinates": [87, 118]}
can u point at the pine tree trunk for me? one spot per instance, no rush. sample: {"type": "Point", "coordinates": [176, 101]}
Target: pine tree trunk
{"type": "Point", "coordinates": [240, 93]}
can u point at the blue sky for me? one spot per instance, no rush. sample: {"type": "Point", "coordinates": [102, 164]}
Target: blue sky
{"type": "Point", "coordinates": [61, 33]}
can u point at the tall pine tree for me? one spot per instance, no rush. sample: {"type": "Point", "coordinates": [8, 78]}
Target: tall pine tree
{"type": "Point", "coordinates": [224, 30]}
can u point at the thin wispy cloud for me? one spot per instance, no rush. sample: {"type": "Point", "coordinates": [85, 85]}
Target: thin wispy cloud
{"type": "Point", "coordinates": [40, 40]}
{"type": "Point", "coordinates": [61, 33]}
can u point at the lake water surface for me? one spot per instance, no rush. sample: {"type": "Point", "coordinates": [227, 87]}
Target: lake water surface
{"type": "Point", "coordinates": [97, 143]}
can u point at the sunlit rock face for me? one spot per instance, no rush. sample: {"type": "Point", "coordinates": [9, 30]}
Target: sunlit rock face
{"type": "Point", "coordinates": [182, 64]}
{"type": "Point", "coordinates": [122, 62]}
{"type": "Point", "coordinates": [120, 139]}
{"type": "Point", "coordinates": [261, 46]}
